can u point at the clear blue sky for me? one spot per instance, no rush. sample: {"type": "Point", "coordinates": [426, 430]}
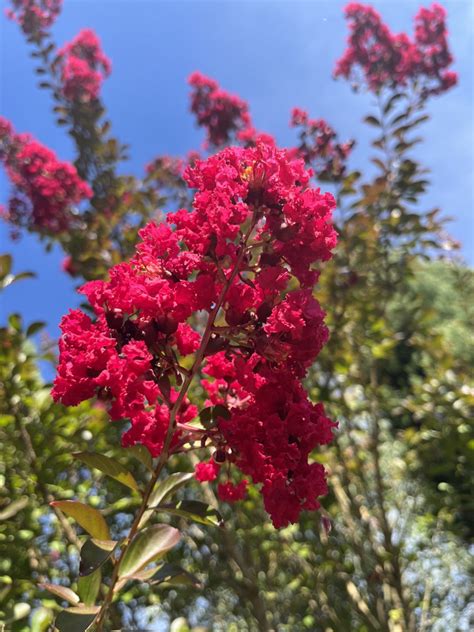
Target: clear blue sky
{"type": "Point", "coordinates": [274, 54]}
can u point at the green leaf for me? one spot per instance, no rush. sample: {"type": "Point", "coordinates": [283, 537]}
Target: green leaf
{"type": "Point", "coordinates": [148, 546]}
{"type": "Point", "coordinates": [21, 610]}
{"type": "Point", "coordinates": [421, 119]}
{"type": "Point", "coordinates": [142, 454]}
{"type": "Point", "coordinates": [167, 573]}
{"type": "Point", "coordinates": [62, 592]}
{"type": "Point", "coordinates": [398, 119]}
{"type": "Point", "coordinates": [164, 489]}
{"type": "Point", "coordinates": [89, 518]}
{"type": "Point", "coordinates": [14, 320]}
{"type": "Point", "coordinates": [173, 574]}
{"type": "Point", "coordinates": [372, 120]}
{"type": "Point", "coordinates": [5, 265]}
{"type": "Point", "coordinates": [94, 553]}
{"type": "Point", "coordinates": [88, 587]}
{"type": "Point", "coordinates": [391, 102]}
{"type": "Point", "coordinates": [41, 620]}
{"type": "Point", "coordinates": [76, 619]}
{"type": "Point", "coordinates": [108, 466]}
{"type": "Point", "coordinates": [35, 327]}
{"type": "Point", "coordinates": [195, 510]}
{"type": "Point", "coordinates": [13, 278]}
{"type": "Point", "coordinates": [209, 416]}
{"type": "Point", "coordinates": [205, 417]}
{"type": "Point", "coordinates": [220, 411]}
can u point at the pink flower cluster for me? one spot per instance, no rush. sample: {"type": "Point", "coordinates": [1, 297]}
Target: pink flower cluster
{"type": "Point", "coordinates": [34, 16]}
{"type": "Point", "coordinates": [390, 60]}
{"type": "Point", "coordinates": [45, 188]}
{"type": "Point", "coordinates": [242, 261]}
{"type": "Point", "coordinates": [318, 146]}
{"type": "Point", "coordinates": [83, 67]}
{"type": "Point", "coordinates": [222, 114]}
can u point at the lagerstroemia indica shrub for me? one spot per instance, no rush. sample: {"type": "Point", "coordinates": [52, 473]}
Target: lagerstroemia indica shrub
{"type": "Point", "coordinates": [241, 262]}
{"type": "Point", "coordinates": [219, 294]}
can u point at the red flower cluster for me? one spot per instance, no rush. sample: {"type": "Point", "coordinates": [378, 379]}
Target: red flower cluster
{"type": "Point", "coordinates": [45, 189]}
{"type": "Point", "coordinates": [245, 256]}
{"type": "Point", "coordinates": [318, 146]}
{"type": "Point", "coordinates": [389, 60]}
{"type": "Point", "coordinates": [34, 16]}
{"type": "Point", "coordinates": [172, 166]}
{"type": "Point", "coordinates": [83, 67]}
{"type": "Point", "coordinates": [222, 114]}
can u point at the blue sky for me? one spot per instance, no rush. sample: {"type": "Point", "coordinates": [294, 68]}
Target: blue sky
{"type": "Point", "coordinates": [274, 54]}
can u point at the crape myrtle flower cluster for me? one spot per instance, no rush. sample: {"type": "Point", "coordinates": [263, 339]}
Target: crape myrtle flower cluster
{"type": "Point", "coordinates": [231, 283]}
{"type": "Point", "coordinates": [34, 16]}
{"type": "Point", "coordinates": [385, 59]}
{"type": "Point", "coordinates": [319, 148]}
{"type": "Point", "coordinates": [83, 67]}
{"type": "Point", "coordinates": [167, 164]}
{"type": "Point", "coordinates": [223, 115]}
{"type": "Point", "coordinates": [45, 189]}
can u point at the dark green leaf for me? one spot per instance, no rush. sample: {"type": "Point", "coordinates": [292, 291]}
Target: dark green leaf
{"type": "Point", "coordinates": [391, 102]}
{"type": "Point", "coordinates": [35, 327]}
{"type": "Point", "coordinates": [398, 119]}
{"type": "Point", "coordinates": [5, 265]}
{"type": "Point", "coordinates": [13, 278]}
{"type": "Point", "coordinates": [94, 553]}
{"type": "Point", "coordinates": [205, 416]}
{"type": "Point", "coordinates": [220, 411]}
{"type": "Point", "coordinates": [76, 619]}
{"type": "Point", "coordinates": [169, 573]}
{"type": "Point", "coordinates": [195, 510]}
{"type": "Point", "coordinates": [372, 120]}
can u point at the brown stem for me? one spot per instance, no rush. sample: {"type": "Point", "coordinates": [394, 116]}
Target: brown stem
{"type": "Point", "coordinates": [165, 453]}
{"type": "Point", "coordinates": [392, 549]}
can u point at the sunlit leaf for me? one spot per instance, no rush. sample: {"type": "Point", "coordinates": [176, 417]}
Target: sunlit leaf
{"type": "Point", "coordinates": [90, 519]}
{"type": "Point", "coordinates": [62, 592]}
{"type": "Point", "coordinates": [163, 489]}
{"type": "Point", "coordinates": [108, 466]}
{"type": "Point", "coordinates": [148, 546]}
{"type": "Point", "coordinates": [21, 610]}
{"type": "Point", "coordinates": [88, 587]}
